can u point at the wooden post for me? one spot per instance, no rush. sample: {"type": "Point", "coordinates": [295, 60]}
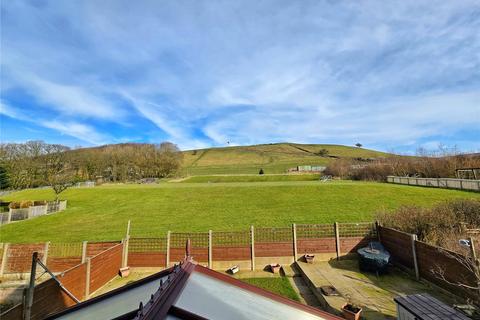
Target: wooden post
{"type": "Point", "coordinates": [210, 244]}
{"type": "Point", "coordinates": [84, 251]}
{"type": "Point", "coordinates": [125, 247]}
{"type": "Point", "coordinates": [31, 288]}
{"type": "Point", "coordinates": [168, 250]}
{"type": "Point", "coordinates": [294, 233]}
{"type": "Point", "coordinates": [337, 239]}
{"type": "Point", "coordinates": [87, 278]}
{"type": "Point", "coordinates": [9, 217]}
{"type": "Point", "coordinates": [4, 258]}
{"type": "Point", "coordinates": [252, 248]}
{"type": "Point", "coordinates": [45, 252]}
{"type": "Point", "coordinates": [477, 262]}
{"type": "Point", "coordinates": [414, 255]}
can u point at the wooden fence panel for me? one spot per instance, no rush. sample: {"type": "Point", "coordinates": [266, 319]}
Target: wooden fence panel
{"type": "Point", "coordinates": [105, 266]}
{"type": "Point", "coordinates": [147, 252]}
{"type": "Point", "coordinates": [199, 246]}
{"type": "Point", "coordinates": [399, 244]}
{"type": "Point", "coordinates": [19, 256]}
{"type": "Point", "coordinates": [432, 259]}
{"type": "Point", "coordinates": [94, 248]}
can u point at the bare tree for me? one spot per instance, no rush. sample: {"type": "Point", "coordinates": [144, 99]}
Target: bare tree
{"type": "Point", "coordinates": [58, 174]}
{"type": "Point", "coordinates": [467, 276]}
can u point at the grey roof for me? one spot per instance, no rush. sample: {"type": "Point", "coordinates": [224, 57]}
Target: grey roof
{"type": "Point", "coordinates": [426, 307]}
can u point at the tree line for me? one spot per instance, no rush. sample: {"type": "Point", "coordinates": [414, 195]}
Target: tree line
{"type": "Point", "coordinates": [421, 166]}
{"type": "Point", "coordinates": [36, 163]}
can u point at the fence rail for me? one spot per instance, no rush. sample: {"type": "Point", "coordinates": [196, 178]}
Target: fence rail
{"type": "Point", "coordinates": [32, 212]}
{"type": "Point", "coordinates": [447, 183]}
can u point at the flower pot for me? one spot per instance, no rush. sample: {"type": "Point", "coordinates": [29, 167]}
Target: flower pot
{"type": "Point", "coordinates": [351, 312]}
{"type": "Point", "coordinates": [124, 272]}
{"type": "Point", "coordinates": [275, 268]}
{"type": "Point", "coordinates": [309, 257]}
{"type": "Point", "coordinates": [234, 269]}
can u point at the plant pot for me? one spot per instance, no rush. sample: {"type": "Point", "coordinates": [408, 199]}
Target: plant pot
{"type": "Point", "coordinates": [124, 272]}
{"type": "Point", "coordinates": [234, 269]}
{"type": "Point", "coordinates": [275, 268]}
{"type": "Point", "coordinates": [350, 312]}
{"type": "Point", "coordinates": [309, 257]}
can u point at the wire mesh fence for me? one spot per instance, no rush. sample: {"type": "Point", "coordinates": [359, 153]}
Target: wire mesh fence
{"type": "Point", "coordinates": [357, 230]}
{"type": "Point", "coordinates": [235, 238]}
{"type": "Point", "coordinates": [62, 250]}
{"type": "Point", "coordinates": [138, 245]}
{"type": "Point", "coordinates": [273, 234]}
{"type": "Point", "coordinates": [313, 231]}
{"type": "Point", "coordinates": [198, 240]}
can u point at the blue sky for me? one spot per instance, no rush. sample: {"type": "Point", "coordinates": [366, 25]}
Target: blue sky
{"type": "Point", "coordinates": [393, 75]}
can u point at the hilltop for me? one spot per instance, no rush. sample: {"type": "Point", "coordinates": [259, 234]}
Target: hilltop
{"type": "Point", "coordinates": [272, 158]}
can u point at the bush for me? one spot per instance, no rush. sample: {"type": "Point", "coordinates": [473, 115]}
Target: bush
{"type": "Point", "coordinates": [261, 171]}
{"type": "Point", "coordinates": [14, 205]}
{"type": "Point", "coordinates": [442, 225]}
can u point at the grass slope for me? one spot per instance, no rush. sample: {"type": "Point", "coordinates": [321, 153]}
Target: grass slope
{"type": "Point", "coordinates": [278, 285]}
{"type": "Point", "coordinates": [101, 213]}
{"type": "Point", "coordinates": [273, 158]}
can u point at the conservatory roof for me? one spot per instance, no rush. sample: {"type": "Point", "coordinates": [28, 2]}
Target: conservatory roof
{"type": "Point", "coordinates": [191, 291]}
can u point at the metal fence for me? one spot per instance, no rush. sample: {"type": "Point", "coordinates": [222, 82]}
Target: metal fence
{"type": "Point", "coordinates": [448, 183]}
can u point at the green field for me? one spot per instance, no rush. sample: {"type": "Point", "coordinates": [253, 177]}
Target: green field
{"type": "Point", "coordinates": [252, 178]}
{"type": "Point", "coordinates": [101, 213]}
{"type": "Point", "coordinates": [278, 285]}
{"type": "Point", "coordinates": [272, 158]}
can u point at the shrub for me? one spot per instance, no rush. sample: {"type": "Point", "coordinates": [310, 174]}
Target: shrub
{"type": "Point", "coordinates": [26, 204]}
{"type": "Point", "coordinates": [442, 225]}
{"type": "Point", "coordinates": [14, 205]}
{"type": "Point", "coordinates": [261, 171]}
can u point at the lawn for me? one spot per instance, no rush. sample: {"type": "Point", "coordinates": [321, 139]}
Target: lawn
{"type": "Point", "coordinates": [252, 178]}
{"type": "Point", "coordinates": [101, 213]}
{"type": "Point", "coordinates": [278, 285]}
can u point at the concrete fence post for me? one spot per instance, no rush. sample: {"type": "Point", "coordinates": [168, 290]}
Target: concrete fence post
{"type": "Point", "coordinates": [210, 244]}
{"type": "Point", "coordinates": [4, 258]}
{"type": "Point", "coordinates": [294, 236]}
{"type": "Point", "coordinates": [9, 217]}
{"type": "Point", "coordinates": [167, 259]}
{"type": "Point", "coordinates": [337, 239]}
{"type": "Point", "coordinates": [125, 247]}
{"type": "Point", "coordinates": [45, 252]}
{"type": "Point", "coordinates": [87, 278]}
{"type": "Point", "coordinates": [84, 251]}
{"type": "Point", "coordinates": [252, 246]}
{"type": "Point", "coordinates": [414, 255]}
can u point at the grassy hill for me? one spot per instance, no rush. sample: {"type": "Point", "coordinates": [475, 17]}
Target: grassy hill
{"type": "Point", "coordinates": [101, 213]}
{"type": "Point", "coordinates": [273, 158]}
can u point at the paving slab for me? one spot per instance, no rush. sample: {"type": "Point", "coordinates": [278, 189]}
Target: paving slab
{"type": "Point", "coordinates": [374, 294]}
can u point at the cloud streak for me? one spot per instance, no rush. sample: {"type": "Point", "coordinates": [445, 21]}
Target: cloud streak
{"type": "Point", "coordinates": [204, 73]}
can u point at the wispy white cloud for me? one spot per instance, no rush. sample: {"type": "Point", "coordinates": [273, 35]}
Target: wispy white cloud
{"type": "Point", "coordinates": [209, 72]}
{"type": "Point", "coordinates": [78, 130]}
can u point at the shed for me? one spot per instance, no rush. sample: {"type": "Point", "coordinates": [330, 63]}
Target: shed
{"type": "Point", "coordinates": [425, 307]}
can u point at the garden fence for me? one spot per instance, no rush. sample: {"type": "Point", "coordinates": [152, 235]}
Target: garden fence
{"type": "Point", "coordinates": [32, 212]}
{"type": "Point", "coordinates": [448, 183]}
{"type": "Point", "coordinates": [252, 249]}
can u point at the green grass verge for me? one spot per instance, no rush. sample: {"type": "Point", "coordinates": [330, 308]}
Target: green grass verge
{"type": "Point", "coordinates": [280, 286]}
{"type": "Point", "coordinates": [101, 213]}
{"type": "Point", "coordinates": [252, 178]}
